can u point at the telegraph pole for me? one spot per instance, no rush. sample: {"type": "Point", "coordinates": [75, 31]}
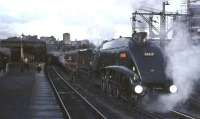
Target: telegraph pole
{"type": "Point", "coordinates": [150, 26]}
{"type": "Point", "coordinates": [148, 16]}
{"type": "Point", "coordinates": [163, 22]}
{"type": "Point", "coordinates": [133, 23]}
{"type": "Point", "coordinates": [189, 15]}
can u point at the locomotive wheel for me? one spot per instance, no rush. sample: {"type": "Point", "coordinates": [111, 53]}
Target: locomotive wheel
{"type": "Point", "coordinates": [109, 88]}
{"type": "Point", "coordinates": [103, 84]}
{"type": "Point", "coordinates": [115, 92]}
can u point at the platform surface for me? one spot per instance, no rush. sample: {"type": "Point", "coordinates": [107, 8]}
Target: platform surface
{"type": "Point", "coordinates": [27, 95]}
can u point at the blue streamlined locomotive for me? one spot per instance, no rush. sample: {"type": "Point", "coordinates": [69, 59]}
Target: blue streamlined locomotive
{"type": "Point", "coordinates": [132, 67]}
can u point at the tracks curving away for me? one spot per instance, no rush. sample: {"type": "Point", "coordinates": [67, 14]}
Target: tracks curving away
{"type": "Point", "coordinates": [74, 104]}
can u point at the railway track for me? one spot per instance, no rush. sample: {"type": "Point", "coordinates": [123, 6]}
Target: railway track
{"type": "Point", "coordinates": [75, 106]}
{"type": "Point", "coordinates": [65, 90]}
{"type": "Point", "coordinates": [182, 115]}
{"type": "Point", "coordinates": [171, 115]}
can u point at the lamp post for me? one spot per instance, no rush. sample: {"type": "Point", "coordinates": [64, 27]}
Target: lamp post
{"type": "Point", "coordinates": [21, 48]}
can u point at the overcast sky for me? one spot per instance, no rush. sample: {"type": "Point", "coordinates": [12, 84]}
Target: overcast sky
{"type": "Point", "coordinates": [82, 18]}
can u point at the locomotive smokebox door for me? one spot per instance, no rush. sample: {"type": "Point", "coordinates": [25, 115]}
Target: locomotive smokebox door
{"type": "Point", "coordinates": [140, 37]}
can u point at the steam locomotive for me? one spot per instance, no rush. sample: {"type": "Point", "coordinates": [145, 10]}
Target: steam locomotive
{"type": "Point", "coordinates": [126, 67]}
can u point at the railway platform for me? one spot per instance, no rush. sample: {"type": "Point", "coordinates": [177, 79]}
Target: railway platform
{"type": "Point", "coordinates": [27, 95]}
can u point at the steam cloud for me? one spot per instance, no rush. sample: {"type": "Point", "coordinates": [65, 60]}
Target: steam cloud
{"type": "Point", "coordinates": [62, 59]}
{"type": "Point", "coordinates": [183, 56]}
{"type": "Point", "coordinates": [98, 33]}
{"type": "Point", "coordinates": [60, 56]}
{"type": "Point", "coordinates": [137, 4]}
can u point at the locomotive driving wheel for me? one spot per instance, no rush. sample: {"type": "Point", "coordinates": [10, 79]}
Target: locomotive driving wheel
{"type": "Point", "coordinates": [115, 91]}
{"type": "Point", "coordinates": [109, 84]}
{"type": "Point", "coordinates": [114, 88]}
{"type": "Point", "coordinates": [103, 81]}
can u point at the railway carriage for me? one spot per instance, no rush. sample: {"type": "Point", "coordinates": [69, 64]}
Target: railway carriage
{"type": "Point", "coordinates": [79, 61]}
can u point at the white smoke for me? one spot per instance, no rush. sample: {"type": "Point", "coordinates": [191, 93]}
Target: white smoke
{"type": "Point", "coordinates": [60, 56]}
{"type": "Point", "coordinates": [100, 32]}
{"type": "Point", "coordinates": [139, 4]}
{"type": "Point", "coordinates": [183, 63]}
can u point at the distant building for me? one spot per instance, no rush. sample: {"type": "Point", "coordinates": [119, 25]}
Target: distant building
{"type": "Point", "coordinates": [49, 40]}
{"type": "Point", "coordinates": [29, 37]}
{"type": "Point", "coordinates": [76, 45]}
{"type": "Point", "coordinates": [24, 37]}
{"type": "Point", "coordinates": [85, 43]}
{"type": "Point", "coordinates": [66, 38]}
{"type": "Point", "coordinates": [13, 38]}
